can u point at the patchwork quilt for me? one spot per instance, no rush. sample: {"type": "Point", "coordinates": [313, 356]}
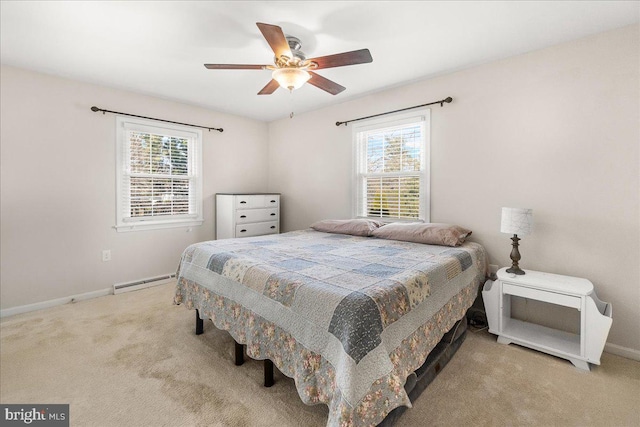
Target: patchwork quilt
{"type": "Point", "coordinates": [348, 317]}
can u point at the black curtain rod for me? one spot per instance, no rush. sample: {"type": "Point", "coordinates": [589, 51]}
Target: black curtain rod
{"type": "Point", "coordinates": [447, 100]}
{"type": "Point", "coordinates": [96, 109]}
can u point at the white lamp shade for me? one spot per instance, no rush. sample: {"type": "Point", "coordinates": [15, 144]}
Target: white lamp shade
{"type": "Point", "coordinates": [290, 78]}
{"type": "Point", "coordinates": [517, 221]}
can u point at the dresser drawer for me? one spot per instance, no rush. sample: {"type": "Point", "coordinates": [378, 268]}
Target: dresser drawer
{"type": "Point", "coordinates": [253, 201]}
{"type": "Point", "coordinates": [257, 229]}
{"type": "Point", "coordinates": [244, 216]}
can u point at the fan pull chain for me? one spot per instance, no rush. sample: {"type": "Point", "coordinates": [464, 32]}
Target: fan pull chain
{"type": "Point", "coordinates": [291, 103]}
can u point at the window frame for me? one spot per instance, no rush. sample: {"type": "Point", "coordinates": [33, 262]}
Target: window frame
{"type": "Point", "coordinates": [126, 223]}
{"type": "Point", "coordinates": [359, 161]}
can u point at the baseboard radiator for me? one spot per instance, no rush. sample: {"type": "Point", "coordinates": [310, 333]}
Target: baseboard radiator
{"type": "Point", "coordinates": [119, 288]}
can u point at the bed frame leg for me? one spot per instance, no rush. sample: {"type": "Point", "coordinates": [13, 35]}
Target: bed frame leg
{"type": "Point", "coordinates": [268, 373]}
{"type": "Point", "coordinates": [199, 323]}
{"type": "Point", "coordinates": [239, 354]}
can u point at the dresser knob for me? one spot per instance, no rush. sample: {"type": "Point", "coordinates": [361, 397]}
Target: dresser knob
{"type": "Point", "coordinates": [242, 231]}
{"type": "Point", "coordinates": [273, 214]}
{"type": "Point", "coordinates": [273, 226]}
{"type": "Point", "coordinates": [243, 216]}
{"type": "Point", "coordinates": [242, 202]}
{"type": "Point", "coordinates": [273, 201]}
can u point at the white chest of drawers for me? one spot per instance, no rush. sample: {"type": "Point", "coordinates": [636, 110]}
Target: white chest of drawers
{"type": "Point", "coordinates": [244, 215]}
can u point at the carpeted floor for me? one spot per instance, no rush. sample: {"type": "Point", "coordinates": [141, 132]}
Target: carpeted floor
{"type": "Point", "coordinates": [134, 360]}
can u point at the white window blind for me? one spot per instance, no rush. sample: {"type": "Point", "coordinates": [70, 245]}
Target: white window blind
{"type": "Point", "coordinates": [159, 177]}
{"type": "Point", "coordinates": [392, 168]}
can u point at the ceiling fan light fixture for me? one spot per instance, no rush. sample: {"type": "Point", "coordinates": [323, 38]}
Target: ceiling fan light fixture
{"type": "Point", "coordinates": [290, 78]}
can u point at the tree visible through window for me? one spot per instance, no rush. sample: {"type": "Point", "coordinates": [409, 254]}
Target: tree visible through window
{"type": "Point", "coordinates": [159, 179]}
{"type": "Point", "coordinates": [392, 170]}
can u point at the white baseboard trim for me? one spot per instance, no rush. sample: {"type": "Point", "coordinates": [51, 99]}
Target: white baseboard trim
{"type": "Point", "coordinates": [116, 289]}
{"type": "Point", "coordinates": [618, 350]}
{"type": "Point", "coordinates": [54, 302]}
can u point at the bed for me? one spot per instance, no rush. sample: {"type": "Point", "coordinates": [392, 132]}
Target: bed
{"type": "Point", "coordinates": [349, 318]}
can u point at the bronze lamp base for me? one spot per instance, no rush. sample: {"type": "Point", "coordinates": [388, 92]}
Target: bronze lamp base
{"type": "Point", "coordinates": [515, 257]}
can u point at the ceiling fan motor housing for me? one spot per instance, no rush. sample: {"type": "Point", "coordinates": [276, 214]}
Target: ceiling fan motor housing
{"type": "Point", "coordinates": [295, 46]}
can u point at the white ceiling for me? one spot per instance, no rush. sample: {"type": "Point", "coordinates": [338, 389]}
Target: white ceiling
{"type": "Point", "coordinates": [159, 47]}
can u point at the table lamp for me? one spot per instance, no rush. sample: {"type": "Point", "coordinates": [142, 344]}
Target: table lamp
{"type": "Point", "coordinates": [516, 221]}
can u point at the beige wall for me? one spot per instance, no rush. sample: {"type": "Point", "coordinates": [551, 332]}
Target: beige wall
{"type": "Point", "coordinates": [556, 130]}
{"type": "Point", "coordinates": [58, 186]}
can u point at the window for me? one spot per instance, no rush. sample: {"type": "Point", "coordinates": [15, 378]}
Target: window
{"type": "Point", "coordinates": [392, 167]}
{"type": "Point", "coordinates": [159, 178]}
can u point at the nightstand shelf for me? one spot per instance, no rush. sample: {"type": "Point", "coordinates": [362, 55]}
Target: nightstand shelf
{"type": "Point", "coordinates": [595, 315]}
{"type": "Point", "coordinates": [541, 338]}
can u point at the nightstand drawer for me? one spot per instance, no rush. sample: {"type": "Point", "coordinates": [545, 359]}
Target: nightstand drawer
{"type": "Point", "coordinates": [539, 295]}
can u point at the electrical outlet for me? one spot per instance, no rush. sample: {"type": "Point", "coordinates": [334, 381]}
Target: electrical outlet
{"type": "Point", "coordinates": [106, 255]}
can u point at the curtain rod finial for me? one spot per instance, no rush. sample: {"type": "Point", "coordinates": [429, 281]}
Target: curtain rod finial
{"type": "Point", "coordinates": [94, 109]}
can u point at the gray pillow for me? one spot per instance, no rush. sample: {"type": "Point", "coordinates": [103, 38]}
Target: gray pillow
{"type": "Point", "coordinates": [424, 232]}
{"type": "Point", "coordinates": [355, 227]}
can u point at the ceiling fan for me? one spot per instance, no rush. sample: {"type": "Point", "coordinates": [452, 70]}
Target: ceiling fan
{"type": "Point", "coordinates": [291, 68]}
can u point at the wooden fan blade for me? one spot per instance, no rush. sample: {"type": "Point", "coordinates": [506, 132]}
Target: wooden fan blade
{"type": "Point", "coordinates": [234, 67]}
{"type": "Point", "coordinates": [325, 84]}
{"type": "Point", "coordinates": [276, 39]}
{"type": "Point", "coordinates": [269, 88]}
{"type": "Point", "coordinates": [361, 56]}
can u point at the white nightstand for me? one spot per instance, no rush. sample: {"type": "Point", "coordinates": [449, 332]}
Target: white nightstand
{"type": "Point", "coordinates": [595, 315]}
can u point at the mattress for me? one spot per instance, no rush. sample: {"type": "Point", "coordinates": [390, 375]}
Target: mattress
{"type": "Point", "coordinates": [348, 317]}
